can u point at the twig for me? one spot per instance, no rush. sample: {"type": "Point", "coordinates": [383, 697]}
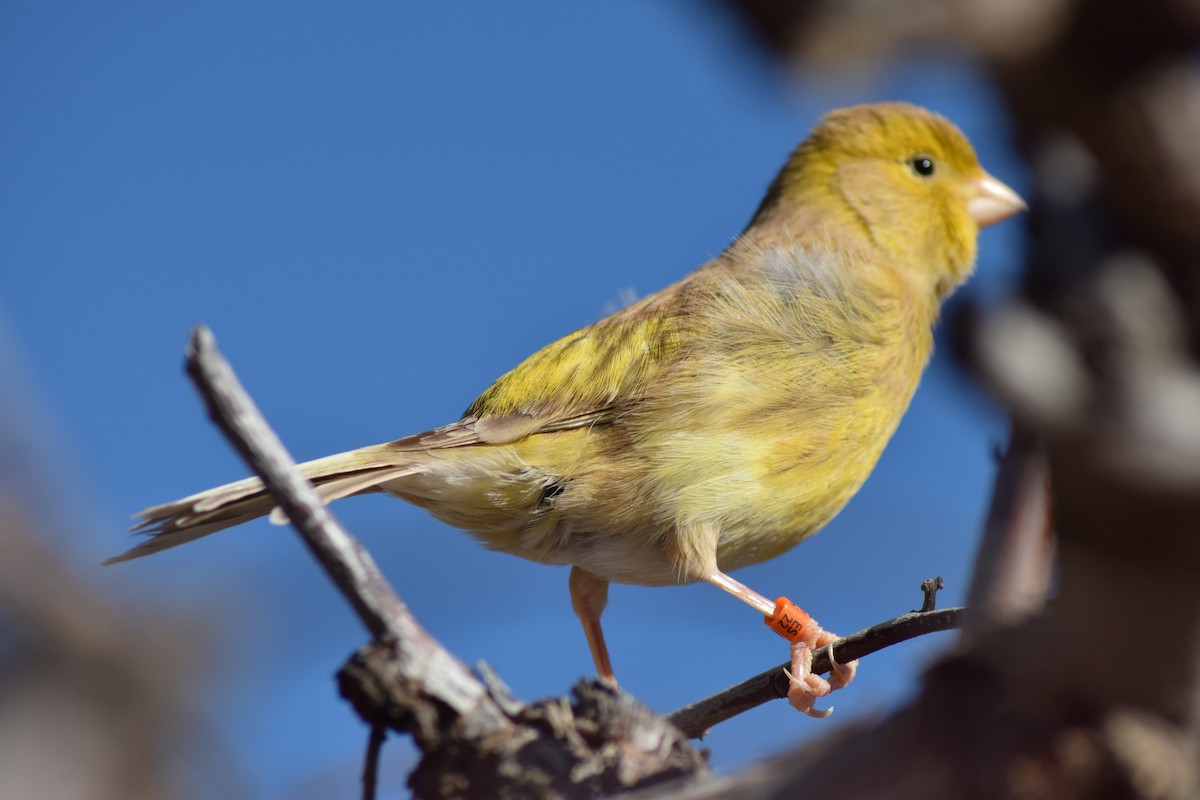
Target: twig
{"type": "Point", "coordinates": [930, 587]}
{"type": "Point", "coordinates": [350, 567]}
{"type": "Point", "coordinates": [370, 778]}
{"type": "Point", "coordinates": [436, 674]}
{"type": "Point", "coordinates": [696, 719]}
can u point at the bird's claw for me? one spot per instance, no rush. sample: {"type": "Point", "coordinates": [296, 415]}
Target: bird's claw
{"type": "Point", "coordinates": [805, 686]}
{"type": "Point", "coordinates": [840, 675]}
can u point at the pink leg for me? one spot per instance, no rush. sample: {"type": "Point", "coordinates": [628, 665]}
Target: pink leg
{"type": "Point", "coordinates": [806, 637]}
{"type": "Point", "coordinates": [742, 592]}
{"type": "Point", "coordinates": [589, 596]}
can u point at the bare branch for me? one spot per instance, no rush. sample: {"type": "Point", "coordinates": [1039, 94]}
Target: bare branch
{"type": "Point", "coordinates": [696, 719]}
{"type": "Point", "coordinates": [352, 570]}
{"type": "Point", "coordinates": [440, 675]}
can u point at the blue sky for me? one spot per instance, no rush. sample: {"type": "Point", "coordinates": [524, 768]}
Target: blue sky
{"type": "Point", "coordinates": [379, 208]}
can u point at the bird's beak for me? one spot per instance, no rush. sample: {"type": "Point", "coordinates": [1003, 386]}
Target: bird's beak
{"type": "Point", "coordinates": [989, 201]}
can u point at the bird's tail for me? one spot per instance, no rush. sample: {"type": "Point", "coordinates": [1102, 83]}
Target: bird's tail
{"type": "Point", "coordinates": [172, 524]}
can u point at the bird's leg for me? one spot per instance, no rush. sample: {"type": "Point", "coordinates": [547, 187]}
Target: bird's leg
{"type": "Point", "coordinates": [589, 596]}
{"type": "Point", "coordinates": [742, 592]}
{"type": "Point", "coordinates": [791, 622]}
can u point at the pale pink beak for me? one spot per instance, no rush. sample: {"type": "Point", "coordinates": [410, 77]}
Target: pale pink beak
{"type": "Point", "coordinates": [990, 201]}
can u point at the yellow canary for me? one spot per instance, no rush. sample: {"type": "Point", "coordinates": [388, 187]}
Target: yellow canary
{"type": "Point", "coordinates": [715, 423]}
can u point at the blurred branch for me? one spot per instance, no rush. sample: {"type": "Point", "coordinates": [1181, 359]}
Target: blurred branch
{"type": "Point", "coordinates": [1013, 567]}
{"type": "Point", "coordinates": [98, 698]}
{"type": "Point", "coordinates": [90, 704]}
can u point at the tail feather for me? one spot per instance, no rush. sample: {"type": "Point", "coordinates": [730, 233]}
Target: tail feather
{"type": "Point", "coordinates": [182, 521]}
{"type": "Point", "coordinates": [167, 533]}
{"type": "Point", "coordinates": [368, 481]}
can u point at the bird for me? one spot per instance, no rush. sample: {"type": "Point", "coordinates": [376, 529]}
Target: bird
{"type": "Point", "coordinates": [715, 423]}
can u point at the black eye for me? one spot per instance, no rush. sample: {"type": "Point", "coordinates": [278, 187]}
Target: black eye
{"type": "Point", "coordinates": [922, 165]}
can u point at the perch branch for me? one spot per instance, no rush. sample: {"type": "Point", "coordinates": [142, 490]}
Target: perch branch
{"type": "Point", "coordinates": [696, 719]}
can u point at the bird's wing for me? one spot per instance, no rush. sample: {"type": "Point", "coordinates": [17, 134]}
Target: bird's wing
{"type": "Point", "coordinates": [582, 379]}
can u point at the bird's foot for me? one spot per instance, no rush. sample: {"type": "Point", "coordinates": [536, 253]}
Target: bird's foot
{"type": "Point", "coordinates": [805, 685]}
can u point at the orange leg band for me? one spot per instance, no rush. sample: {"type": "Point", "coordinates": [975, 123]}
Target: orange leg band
{"type": "Point", "coordinates": [788, 620]}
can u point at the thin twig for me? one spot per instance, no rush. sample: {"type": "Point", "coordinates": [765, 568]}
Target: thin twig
{"type": "Point", "coordinates": [370, 777]}
{"type": "Point", "coordinates": [930, 587]}
{"type": "Point", "coordinates": [696, 719]}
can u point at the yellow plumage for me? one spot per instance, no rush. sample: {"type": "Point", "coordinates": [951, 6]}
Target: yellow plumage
{"type": "Point", "coordinates": [719, 421]}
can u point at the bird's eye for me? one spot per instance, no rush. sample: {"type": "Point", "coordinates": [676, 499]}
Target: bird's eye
{"type": "Point", "coordinates": [922, 165]}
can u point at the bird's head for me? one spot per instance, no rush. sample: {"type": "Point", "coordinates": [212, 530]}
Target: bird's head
{"type": "Point", "coordinates": [904, 177]}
